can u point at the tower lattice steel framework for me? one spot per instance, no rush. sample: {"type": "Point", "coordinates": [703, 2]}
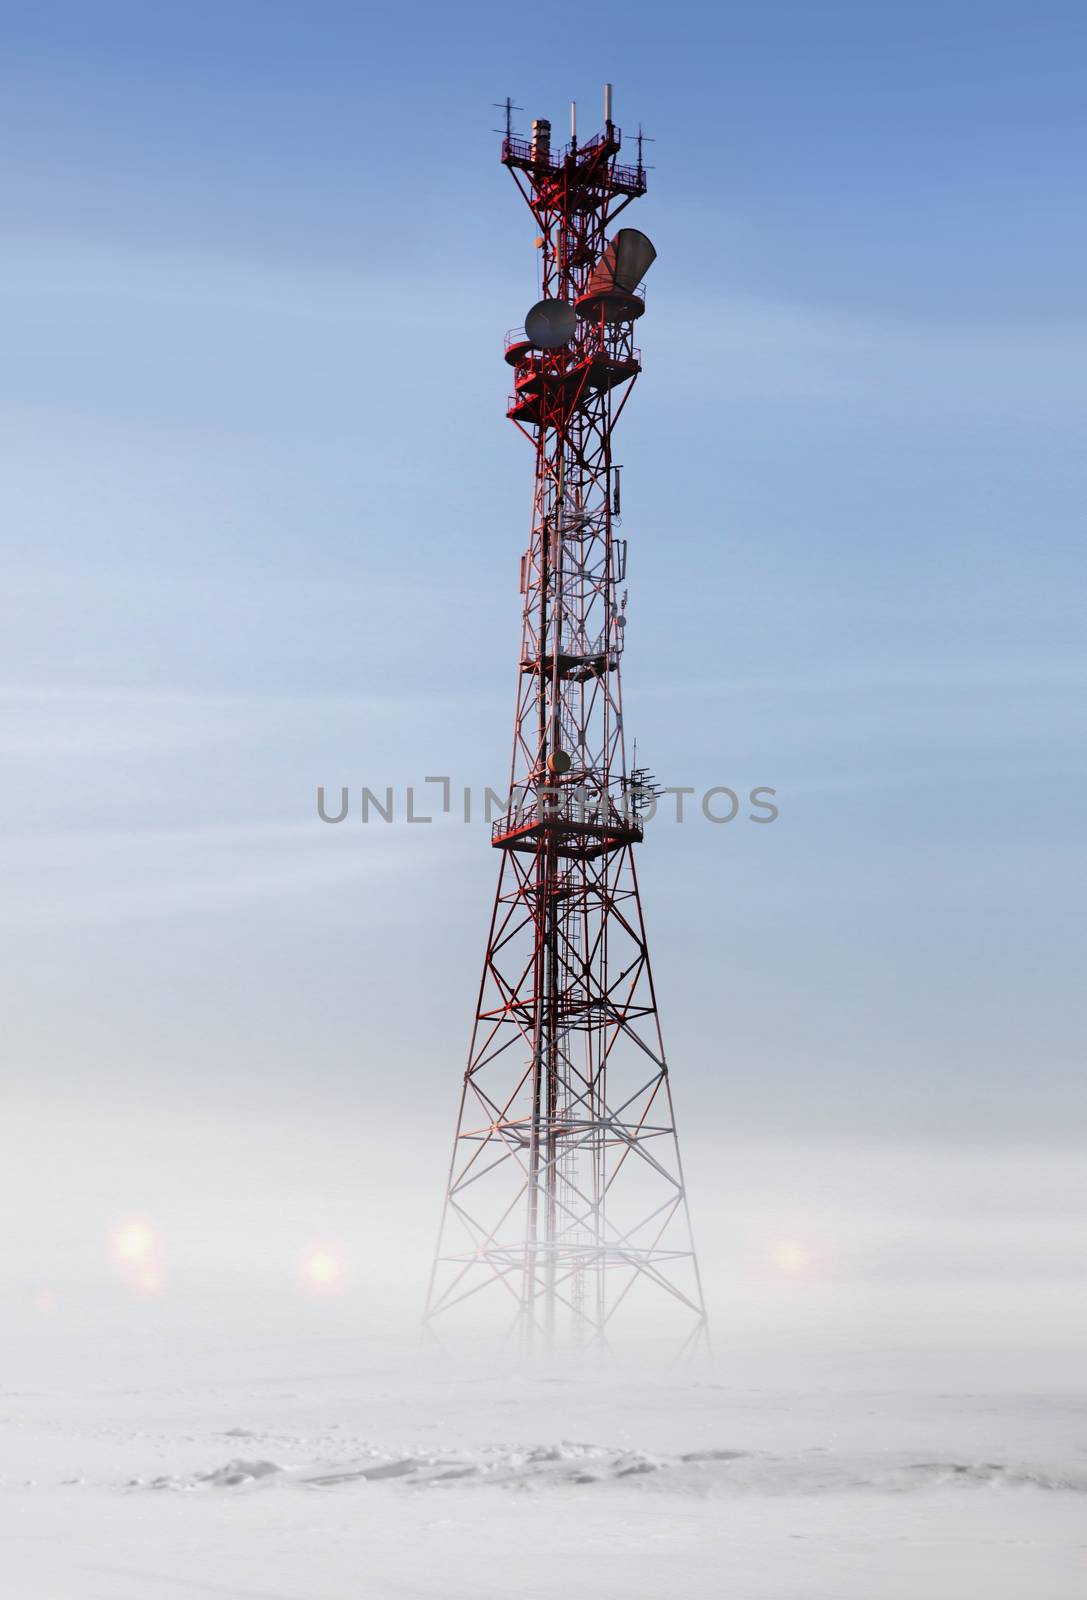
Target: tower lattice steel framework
{"type": "Point", "coordinates": [565, 1206]}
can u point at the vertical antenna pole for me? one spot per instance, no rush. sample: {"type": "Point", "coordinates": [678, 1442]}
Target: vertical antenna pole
{"type": "Point", "coordinates": [607, 104]}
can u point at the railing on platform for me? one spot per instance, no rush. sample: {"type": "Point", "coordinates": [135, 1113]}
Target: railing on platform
{"type": "Point", "coordinates": [572, 808]}
{"type": "Point", "coordinates": [626, 179]}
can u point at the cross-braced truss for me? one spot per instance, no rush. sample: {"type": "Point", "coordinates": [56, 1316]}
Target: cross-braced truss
{"type": "Point", "coordinates": [565, 1201]}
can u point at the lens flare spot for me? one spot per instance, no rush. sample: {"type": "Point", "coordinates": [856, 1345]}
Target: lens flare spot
{"type": "Point", "coordinates": [323, 1271]}
{"type": "Point", "coordinates": [134, 1243]}
{"type": "Point", "coordinates": [788, 1256]}
{"type": "Point", "coordinates": [44, 1301]}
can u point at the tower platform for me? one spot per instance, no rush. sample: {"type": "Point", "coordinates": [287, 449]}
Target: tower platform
{"type": "Point", "coordinates": [576, 830]}
{"type": "Point", "coordinates": [573, 668]}
{"type": "Point", "coordinates": [539, 382]}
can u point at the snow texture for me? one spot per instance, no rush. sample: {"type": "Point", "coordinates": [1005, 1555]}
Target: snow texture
{"type": "Point", "coordinates": [395, 1484]}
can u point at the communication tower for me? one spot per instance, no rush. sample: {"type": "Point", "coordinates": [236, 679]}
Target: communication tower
{"type": "Point", "coordinates": [565, 1208]}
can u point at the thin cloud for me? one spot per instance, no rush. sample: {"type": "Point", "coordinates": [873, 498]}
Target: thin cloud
{"type": "Point", "coordinates": [75, 880]}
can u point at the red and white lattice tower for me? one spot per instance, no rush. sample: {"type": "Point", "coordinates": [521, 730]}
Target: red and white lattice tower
{"type": "Point", "coordinates": [565, 1210]}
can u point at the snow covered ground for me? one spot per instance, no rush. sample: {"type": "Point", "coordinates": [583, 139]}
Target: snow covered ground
{"type": "Point", "coordinates": [309, 1473]}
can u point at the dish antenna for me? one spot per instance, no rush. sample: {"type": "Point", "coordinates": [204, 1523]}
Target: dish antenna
{"type": "Point", "coordinates": [550, 324]}
{"type": "Point", "coordinates": [616, 276]}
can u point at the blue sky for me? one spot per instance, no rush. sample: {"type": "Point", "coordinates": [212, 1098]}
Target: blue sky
{"type": "Point", "coordinates": [263, 515]}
